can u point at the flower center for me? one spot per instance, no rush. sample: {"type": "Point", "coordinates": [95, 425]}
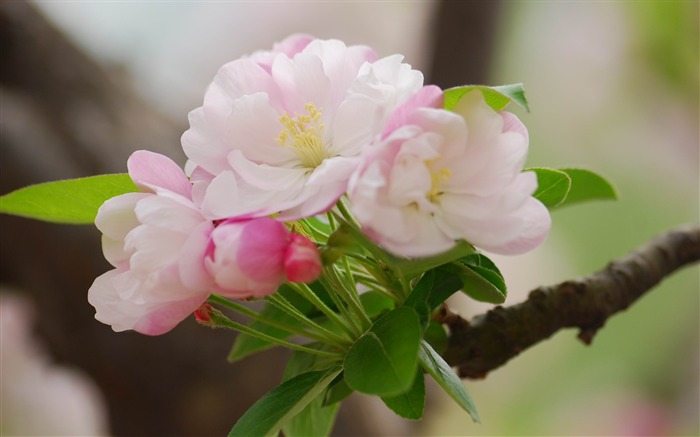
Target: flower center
{"type": "Point", "coordinates": [437, 178]}
{"type": "Point", "coordinates": [304, 133]}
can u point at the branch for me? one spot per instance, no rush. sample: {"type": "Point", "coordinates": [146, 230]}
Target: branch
{"type": "Point", "coordinates": [490, 340]}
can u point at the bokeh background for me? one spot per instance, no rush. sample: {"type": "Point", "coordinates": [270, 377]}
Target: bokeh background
{"type": "Point", "coordinates": [613, 86]}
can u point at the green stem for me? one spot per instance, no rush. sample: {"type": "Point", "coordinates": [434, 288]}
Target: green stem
{"type": "Point", "coordinates": [219, 320]}
{"type": "Point", "coordinates": [349, 294]}
{"type": "Point", "coordinates": [330, 285]}
{"type": "Point", "coordinates": [308, 294]}
{"type": "Point", "coordinates": [347, 215]}
{"type": "Point", "coordinates": [322, 334]}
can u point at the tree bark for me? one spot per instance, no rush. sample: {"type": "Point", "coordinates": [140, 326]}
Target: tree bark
{"type": "Point", "coordinates": [490, 340]}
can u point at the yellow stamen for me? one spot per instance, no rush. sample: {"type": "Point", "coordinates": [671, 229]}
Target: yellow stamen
{"type": "Point", "coordinates": [437, 179]}
{"type": "Point", "coordinates": [304, 133]}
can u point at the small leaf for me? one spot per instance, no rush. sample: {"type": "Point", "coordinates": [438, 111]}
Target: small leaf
{"type": "Point", "coordinates": [267, 416]}
{"type": "Point", "coordinates": [315, 420]}
{"type": "Point", "coordinates": [375, 303]}
{"type": "Point", "coordinates": [72, 201]}
{"type": "Point", "coordinates": [337, 391]}
{"type": "Point", "coordinates": [436, 336]}
{"type": "Point", "coordinates": [480, 283]}
{"type": "Point", "coordinates": [586, 185]}
{"type": "Point", "coordinates": [497, 97]}
{"type": "Point", "coordinates": [246, 345]}
{"type": "Point", "coordinates": [409, 405]}
{"type": "Point", "coordinates": [432, 289]}
{"type": "Point", "coordinates": [446, 378]}
{"type": "Point", "coordinates": [486, 268]}
{"type": "Point", "coordinates": [552, 186]}
{"type": "Point", "coordinates": [383, 361]}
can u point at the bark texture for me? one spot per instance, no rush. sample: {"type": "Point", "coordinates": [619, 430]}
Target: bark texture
{"type": "Point", "coordinates": [490, 340]}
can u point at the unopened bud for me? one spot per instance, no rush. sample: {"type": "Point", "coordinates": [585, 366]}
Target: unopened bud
{"type": "Point", "coordinates": [203, 313]}
{"type": "Point", "coordinates": [302, 262]}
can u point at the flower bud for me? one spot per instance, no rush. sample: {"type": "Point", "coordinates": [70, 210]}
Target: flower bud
{"type": "Point", "coordinates": [302, 262]}
{"type": "Point", "coordinates": [203, 313]}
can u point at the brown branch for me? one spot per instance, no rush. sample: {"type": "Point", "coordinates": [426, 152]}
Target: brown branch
{"type": "Point", "coordinates": [490, 340]}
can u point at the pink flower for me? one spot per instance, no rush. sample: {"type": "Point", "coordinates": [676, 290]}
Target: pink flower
{"type": "Point", "coordinates": [281, 131]}
{"type": "Point", "coordinates": [251, 258]}
{"type": "Point", "coordinates": [156, 240]}
{"type": "Point", "coordinates": [439, 176]}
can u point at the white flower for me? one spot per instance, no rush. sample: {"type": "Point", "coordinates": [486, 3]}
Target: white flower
{"type": "Point", "coordinates": [156, 241]}
{"type": "Point", "coordinates": [281, 131]}
{"type": "Point", "coordinates": [440, 176]}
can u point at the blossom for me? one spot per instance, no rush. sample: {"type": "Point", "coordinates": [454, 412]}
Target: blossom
{"type": "Point", "coordinates": [439, 176]}
{"type": "Point", "coordinates": [251, 258]}
{"type": "Point", "coordinates": [281, 131]}
{"type": "Point", "coordinates": [155, 239]}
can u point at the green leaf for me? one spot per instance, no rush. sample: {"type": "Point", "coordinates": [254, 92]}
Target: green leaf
{"type": "Point", "coordinates": [267, 416]}
{"type": "Point", "coordinates": [315, 420]}
{"type": "Point", "coordinates": [432, 289]}
{"type": "Point", "coordinates": [446, 378]}
{"type": "Point", "coordinates": [587, 185]}
{"type": "Point", "coordinates": [375, 303]}
{"type": "Point", "coordinates": [383, 361]}
{"type": "Point", "coordinates": [552, 186]}
{"type": "Point", "coordinates": [497, 97]}
{"type": "Point", "coordinates": [337, 391]}
{"type": "Point", "coordinates": [72, 201]}
{"type": "Point", "coordinates": [480, 283]}
{"type": "Point", "coordinates": [486, 268]}
{"type": "Point", "coordinates": [246, 345]}
{"type": "Point", "coordinates": [409, 405]}
{"type": "Point", "coordinates": [436, 336]}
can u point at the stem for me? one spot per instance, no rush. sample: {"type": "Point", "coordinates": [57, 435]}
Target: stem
{"type": "Point", "coordinates": [219, 320]}
{"type": "Point", "coordinates": [345, 212]}
{"type": "Point", "coordinates": [330, 285]}
{"type": "Point", "coordinates": [349, 294]}
{"type": "Point", "coordinates": [322, 334]}
{"type": "Point", "coordinates": [309, 295]}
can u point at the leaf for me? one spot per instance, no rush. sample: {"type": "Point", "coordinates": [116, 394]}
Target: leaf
{"type": "Point", "coordinates": [446, 378]}
{"type": "Point", "coordinates": [497, 97]}
{"type": "Point", "coordinates": [552, 186]}
{"type": "Point", "coordinates": [337, 391]}
{"type": "Point", "coordinates": [480, 283]}
{"type": "Point", "coordinates": [375, 303]}
{"type": "Point", "coordinates": [267, 416]}
{"type": "Point", "coordinates": [436, 336]}
{"type": "Point", "coordinates": [486, 268]}
{"type": "Point", "coordinates": [315, 420]}
{"type": "Point", "coordinates": [409, 405]}
{"type": "Point", "coordinates": [432, 289]}
{"type": "Point", "coordinates": [587, 185]}
{"type": "Point", "coordinates": [246, 345]}
{"type": "Point", "coordinates": [383, 361]}
{"type": "Point", "coordinates": [72, 201]}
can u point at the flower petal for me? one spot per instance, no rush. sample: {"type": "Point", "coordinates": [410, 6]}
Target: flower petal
{"type": "Point", "coordinates": [153, 172]}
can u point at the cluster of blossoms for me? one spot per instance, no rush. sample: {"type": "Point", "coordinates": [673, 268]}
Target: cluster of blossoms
{"type": "Point", "coordinates": [281, 136]}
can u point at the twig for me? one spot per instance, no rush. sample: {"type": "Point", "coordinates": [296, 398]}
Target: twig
{"type": "Point", "coordinates": [490, 340]}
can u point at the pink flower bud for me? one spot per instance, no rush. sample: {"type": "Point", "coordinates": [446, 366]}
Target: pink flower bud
{"type": "Point", "coordinates": [246, 257]}
{"type": "Point", "coordinates": [302, 262]}
{"type": "Point", "coordinates": [203, 313]}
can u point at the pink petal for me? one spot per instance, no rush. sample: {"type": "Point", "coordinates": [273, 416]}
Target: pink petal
{"type": "Point", "coordinates": [152, 172]}
{"type": "Point", "coordinates": [262, 247]}
{"type": "Point", "coordinates": [429, 96]}
{"type": "Point", "coordinates": [191, 267]}
{"type": "Point", "coordinates": [302, 262]}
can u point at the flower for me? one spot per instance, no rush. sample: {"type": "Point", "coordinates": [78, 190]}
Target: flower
{"type": "Point", "coordinates": [156, 240]}
{"type": "Point", "coordinates": [251, 258]}
{"type": "Point", "coordinates": [439, 176]}
{"type": "Point", "coordinates": [281, 131]}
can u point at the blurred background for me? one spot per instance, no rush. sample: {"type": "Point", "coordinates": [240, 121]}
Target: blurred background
{"type": "Point", "coordinates": [613, 86]}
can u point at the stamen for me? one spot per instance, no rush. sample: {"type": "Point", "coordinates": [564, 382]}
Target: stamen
{"type": "Point", "coordinates": [437, 179]}
{"type": "Point", "coordinates": [304, 132]}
